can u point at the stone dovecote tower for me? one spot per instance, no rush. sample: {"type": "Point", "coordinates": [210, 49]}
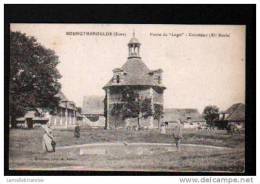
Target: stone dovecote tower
{"type": "Point", "coordinates": [136, 75]}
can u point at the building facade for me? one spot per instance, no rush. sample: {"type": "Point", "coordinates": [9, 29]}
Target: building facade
{"type": "Point", "coordinates": [134, 75]}
{"type": "Point", "coordinates": [93, 111]}
{"type": "Point", "coordinates": [64, 115]}
{"type": "Point", "coordinates": [191, 118]}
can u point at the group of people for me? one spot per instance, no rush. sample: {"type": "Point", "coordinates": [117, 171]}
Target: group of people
{"type": "Point", "coordinates": [49, 143]}
{"type": "Point", "coordinates": [177, 132]}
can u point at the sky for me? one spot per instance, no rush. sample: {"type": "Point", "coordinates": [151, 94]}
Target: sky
{"type": "Point", "coordinates": [202, 64]}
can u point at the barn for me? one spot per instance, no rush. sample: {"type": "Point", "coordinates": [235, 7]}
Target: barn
{"type": "Point", "coordinates": [234, 114]}
{"type": "Point", "coordinates": [189, 116]}
{"type": "Point", "coordinates": [63, 116]}
{"type": "Point", "coordinates": [93, 111]}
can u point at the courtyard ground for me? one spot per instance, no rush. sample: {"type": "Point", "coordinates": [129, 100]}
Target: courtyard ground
{"type": "Point", "coordinates": [99, 149]}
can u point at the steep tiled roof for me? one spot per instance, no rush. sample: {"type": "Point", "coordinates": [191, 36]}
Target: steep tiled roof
{"type": "Point", "coordinates": [64, 100]}
{"type": "Point", "coordinates": [93, 105]}
{"type": "Point", "coordinates": [136, 73]}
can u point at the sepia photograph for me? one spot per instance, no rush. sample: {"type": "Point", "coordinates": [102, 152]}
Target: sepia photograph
{"type": "Point", "coordinates": [127, 97]}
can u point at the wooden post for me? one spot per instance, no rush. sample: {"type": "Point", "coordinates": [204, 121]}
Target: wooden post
{"type": "Point", "coordinates": [61, 114]}
{"type": "Point", "coordinates": [66, 116]}
{"type": "Point", "coordinates": [75, 116]}
{"type": "Point", "coordinates": [71, 118]}
{"type": "Point", "coordinates": [152, 103]}
{"type": "Point", "coordinates": [107, 119]}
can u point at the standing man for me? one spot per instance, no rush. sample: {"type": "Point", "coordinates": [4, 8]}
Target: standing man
{"type": "Point", "coordinates": [177, 133]}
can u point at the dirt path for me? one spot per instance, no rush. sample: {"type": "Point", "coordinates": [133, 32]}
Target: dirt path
{"type": "Point", "coordinates": [138, 144]}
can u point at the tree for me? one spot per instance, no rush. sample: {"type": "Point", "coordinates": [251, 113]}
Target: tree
{"type": "Point", "coordinates": [117, 111]}
{"type": "Point", "coordinates": [146, 107]}
{"type": "Point", "coordinates": [135, 106]}
{"type": "Point", "coordinates": [79, 109]}
{"type": "Point", "coordinates": [211, 113]}
{"type": "Point", "coordinates": [33, 80]}
{"type": "Point", "coordinates": [158, 112]}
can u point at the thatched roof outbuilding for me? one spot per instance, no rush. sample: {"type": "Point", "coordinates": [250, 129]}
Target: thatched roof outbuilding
{"type": "Point", "coordinates": [236, 112]}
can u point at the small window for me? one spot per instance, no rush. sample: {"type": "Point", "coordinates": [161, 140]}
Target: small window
{"type": "Point", "coordinates": [117, 79]}
{"type": "Point", "coordinates": [159, 79]}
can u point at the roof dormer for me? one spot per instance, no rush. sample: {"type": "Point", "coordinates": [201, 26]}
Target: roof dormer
{"type": "Point", "coordinates": [157, 75]}
{"type": "Point", "coordinates": [118, 75]}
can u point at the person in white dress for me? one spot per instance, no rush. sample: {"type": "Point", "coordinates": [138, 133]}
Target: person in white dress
{"type": "Point", "coordinates": [163, 128]}
{"type": "Point", "coordinates": [48, 142]}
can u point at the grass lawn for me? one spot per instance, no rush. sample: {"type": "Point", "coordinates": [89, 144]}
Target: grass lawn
{"type": "Point", "coordinates": [25, 151]}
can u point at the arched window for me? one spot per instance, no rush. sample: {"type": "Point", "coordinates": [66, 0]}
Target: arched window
{"type": "Point", "coordinates": [117, 79]}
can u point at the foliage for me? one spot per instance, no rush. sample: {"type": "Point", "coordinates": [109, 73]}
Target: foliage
{"type": "Point", "coordinates": [116, 111]}
{"type": "Point", "coordinates": [232, 128]}
{"type": "Point", "coordinates": [158, 111]}
{"type": "Point", "coordinates": [133, 106]}
{"type": "Point", "coordinates": [146, 107]}
{"type": "Point", "coordinates": [79, 109]}
{"type": "Point", "coordinates": [211, 113]}
{"type": "Point", "coordinates": [33, 78]}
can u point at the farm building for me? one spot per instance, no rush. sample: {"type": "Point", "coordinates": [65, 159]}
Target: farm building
{"type": "Point", "coordinates": [136, 76]}
{"type": "Point", "coordinates": [191, 117]}
{"type": "Point", "coordinates": [93, 111]}
{"type": "Point", "coordinates": [64, 115]}
{"type": "Point", "coordinates": [31, 118]}
{"type": "Point", "coordinates": [235, 114]}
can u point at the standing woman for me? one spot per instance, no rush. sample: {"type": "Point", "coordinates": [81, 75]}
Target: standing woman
{"type": "Point", "coordinates": [163, 128]}
{"type": "Point", "coordinates": [48, 142]}
{"type": "Point", "coordinates": [177, 133]}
